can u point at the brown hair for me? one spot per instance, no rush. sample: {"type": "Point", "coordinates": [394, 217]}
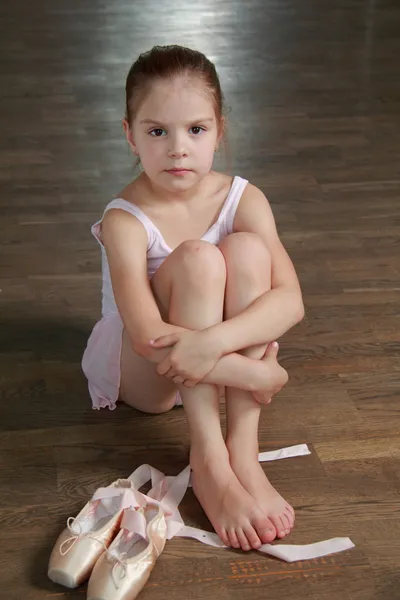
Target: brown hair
{"type": "Point", "coordinates": [167, 62]}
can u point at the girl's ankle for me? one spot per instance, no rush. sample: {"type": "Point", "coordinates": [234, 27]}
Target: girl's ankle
{"type": "Point", "coordinates": [240, 448]}
{"type": "Point", "coordinates": [202, 456]}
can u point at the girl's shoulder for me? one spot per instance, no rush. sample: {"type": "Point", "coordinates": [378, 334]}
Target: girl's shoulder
{"type": "Point", "coordinates": [119, 211]}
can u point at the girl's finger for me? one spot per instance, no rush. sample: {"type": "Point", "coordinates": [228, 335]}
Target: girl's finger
{"type": "Point", "coordinates": [190, 384]}
{"type": "Point", "coordinates": [164, 366]}
{"type": "Point", "coordinates": [164, 341]}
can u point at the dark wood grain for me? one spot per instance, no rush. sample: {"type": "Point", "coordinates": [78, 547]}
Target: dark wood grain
{"type": "Point", "coordinates": [314, 96]}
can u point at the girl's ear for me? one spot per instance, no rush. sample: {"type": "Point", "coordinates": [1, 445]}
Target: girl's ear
{"type": "Point", "coordinates": [129, 136]}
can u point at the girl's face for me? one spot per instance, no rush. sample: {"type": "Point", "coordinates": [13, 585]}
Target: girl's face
{"type": "Point", "coordinates": [175, 128]}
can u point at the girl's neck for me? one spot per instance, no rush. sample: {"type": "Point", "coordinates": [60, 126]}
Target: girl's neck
{"type": "Point", "coordinates": [162, 195]}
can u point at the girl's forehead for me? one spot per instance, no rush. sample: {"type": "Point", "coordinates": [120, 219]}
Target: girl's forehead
{"type": "Point", "coordinates": [177, 99]}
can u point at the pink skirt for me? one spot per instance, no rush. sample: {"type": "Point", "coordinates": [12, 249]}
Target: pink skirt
{"type": "Point", "coordinates": [101, 362]}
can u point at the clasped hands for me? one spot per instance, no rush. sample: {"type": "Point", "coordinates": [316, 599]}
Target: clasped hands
{"type": "Point", "coordinates": [193, 355]}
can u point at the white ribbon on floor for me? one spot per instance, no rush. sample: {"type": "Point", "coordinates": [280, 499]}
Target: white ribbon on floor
{"type": "Point", "coordinates": [168, 492]}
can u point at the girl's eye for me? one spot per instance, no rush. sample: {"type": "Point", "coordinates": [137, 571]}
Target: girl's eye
{"type": "Point", "coordinates": [196, 130]}
{"type": "Point", "coordinates": [157, 132]}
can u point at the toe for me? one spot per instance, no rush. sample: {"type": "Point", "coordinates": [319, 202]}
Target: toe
{"type": "Point", "coordinates": [279, 526]}
{"type": "Point", "coordinates": [290, 509]}
{"type": "Point", "coordinates": [290, 517]}
{"type": "Point", "coordinates": [224, 537]}
{"type": "Point", "coordinates": [244, 542]}
{"type": "Point", "coordinates": [265, 530]}
{"type": "Point", "coordinates": [286, 522]}
{"type": "Point", "coordinates": [252, 536]}
{"type": "Point", "coordinates": [233, 539]}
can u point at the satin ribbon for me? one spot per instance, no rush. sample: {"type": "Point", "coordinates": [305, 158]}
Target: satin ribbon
{"type": "Point", "coordinates": [129, 498]}
{"type": "Point", "coordinates": [167, 492]}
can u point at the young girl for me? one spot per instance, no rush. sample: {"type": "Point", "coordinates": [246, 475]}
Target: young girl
{"type": "Point", "coordinates": [196, 285]}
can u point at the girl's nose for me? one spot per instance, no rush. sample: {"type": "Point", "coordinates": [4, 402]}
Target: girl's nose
{"type": "Point", "coordinates": [177, 152]}
{"type": "Point", "coordinates": [177, 148]}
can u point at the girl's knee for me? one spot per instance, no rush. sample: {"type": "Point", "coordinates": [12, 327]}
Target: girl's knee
{"type": "Point", "coordinates": [247, 250]}
{"type": "Point", "coordinates": [201, 261]}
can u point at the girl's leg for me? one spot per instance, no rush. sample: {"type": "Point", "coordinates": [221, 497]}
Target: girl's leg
{"type": "Point", "coordinates": [192, 290]}
{"type": "Point", "coordinates": [248, 277]}
{"type": "Point", "coordinates": [141, 386]}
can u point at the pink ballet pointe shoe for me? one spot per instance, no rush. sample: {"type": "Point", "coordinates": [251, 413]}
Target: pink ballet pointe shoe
{"type": "Point", "coordinates": [87, 535]}
{"type": "Point", "coordinates": [122, 571]}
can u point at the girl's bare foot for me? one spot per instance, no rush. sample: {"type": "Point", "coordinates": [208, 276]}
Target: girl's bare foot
{"type": "Point", "coordinates": [252, 477]}
{"type": "Point", "coordinates": [274, 376]}
{"type": "Point", "coordinates": [233, 512]}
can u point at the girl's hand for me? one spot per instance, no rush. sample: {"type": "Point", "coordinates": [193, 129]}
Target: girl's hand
{"type": "Point", "coordinates": [275, 377]}
{"type": "Point", "coordinates": [194, 354]}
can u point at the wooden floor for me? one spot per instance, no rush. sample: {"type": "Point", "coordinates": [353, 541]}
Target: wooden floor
{"type": "Point", "coordinates": [314, 92]}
